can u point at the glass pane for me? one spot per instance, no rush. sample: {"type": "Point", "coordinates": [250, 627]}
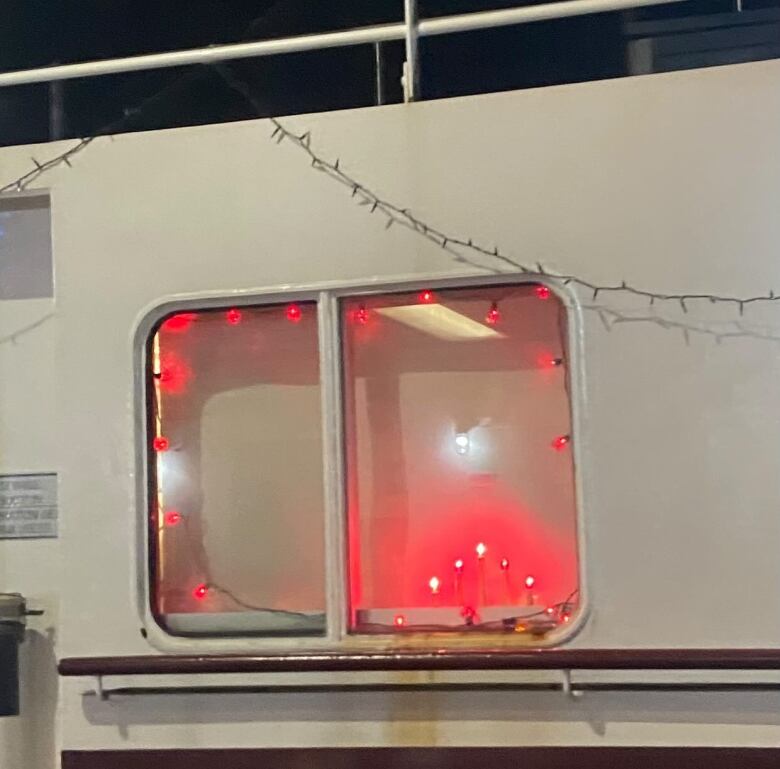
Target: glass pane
{"type": "Point", "coordinates": [236, 471]}
{"type": "Point", "coordinates": [461, 501]}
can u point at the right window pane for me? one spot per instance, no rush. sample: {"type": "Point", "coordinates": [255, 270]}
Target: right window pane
{"type": "Point", "coordinates": [460, 480]}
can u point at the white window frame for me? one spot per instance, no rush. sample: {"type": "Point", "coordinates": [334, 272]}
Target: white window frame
{"type": "Point", "coordinates": [337, 637]}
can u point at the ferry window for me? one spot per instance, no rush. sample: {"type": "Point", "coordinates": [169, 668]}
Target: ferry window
{"type": "Point", "coordinates": [236, 471]}
{"type": "Point", "coordinates": [460, 478]}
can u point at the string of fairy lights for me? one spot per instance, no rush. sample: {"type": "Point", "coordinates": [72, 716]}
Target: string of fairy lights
{"type": "Point", "coordinates": [533, 618]}
{"type": "Point", "coordinates": [395, 214]}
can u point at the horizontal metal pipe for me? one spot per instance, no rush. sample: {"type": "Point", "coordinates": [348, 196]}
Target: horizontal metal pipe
{"type": "Point", "coordinates": [655, 688]}
{"type": "Point", "coordinates": [377, 34]}
{"type": "Point", "coordinates": [321, 662]}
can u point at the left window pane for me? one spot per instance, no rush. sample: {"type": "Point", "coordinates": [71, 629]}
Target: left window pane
{"type": "Point", "coordinates": [235, 470]}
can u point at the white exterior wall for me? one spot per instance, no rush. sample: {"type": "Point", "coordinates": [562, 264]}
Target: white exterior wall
{"type": "Point", "coordinates": [670, 182]}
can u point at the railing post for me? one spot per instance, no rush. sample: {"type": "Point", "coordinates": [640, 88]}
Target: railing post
{"type": "Point", "coordinates": [411, 76]}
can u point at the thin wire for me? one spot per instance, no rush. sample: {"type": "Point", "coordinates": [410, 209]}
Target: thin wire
{"type": "Point", "coordinates": [253, 607]}
{"type": "Point", "coordinates": [505, 623]}
{"type": "Point", "coordinates": [13, 337]}
{"type": "Point", "coordinates": [395, 214]}
{"type": "Point", "coordinates": [611, 318]}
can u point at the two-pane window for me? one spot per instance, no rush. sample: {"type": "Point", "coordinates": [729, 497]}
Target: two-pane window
{"type": "Point", "coordinates": [455, 497]}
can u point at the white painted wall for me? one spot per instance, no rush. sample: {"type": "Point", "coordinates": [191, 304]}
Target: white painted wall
{"type": "Point", "coordinates": [28, 443]}
{"type": "Point", "coordinates": [670, 182]}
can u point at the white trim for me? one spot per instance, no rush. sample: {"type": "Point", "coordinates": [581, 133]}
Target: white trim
{"type": "Point", "coordinates": [337, 637]}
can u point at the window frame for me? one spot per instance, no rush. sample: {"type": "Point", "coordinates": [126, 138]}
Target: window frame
{"type": "Point", "coordinates": [337, 637]}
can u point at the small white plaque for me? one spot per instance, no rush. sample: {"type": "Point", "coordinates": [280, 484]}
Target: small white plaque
{"type": "Point", "coordinates": [28, 506]}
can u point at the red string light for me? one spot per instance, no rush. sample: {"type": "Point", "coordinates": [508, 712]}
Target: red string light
{"type": "Point", "coordinates": [174, 374]}
{"type": "Point", "coordinates": [493, 315]}
{"type": "Point", "coordinates": [458, 566]}
{"type": "Point", "coordinates": [200, 592]}
{"type": "Point", "coordinates": [561, 442]}
{"type": "Point", "coordinates": [549, 361]}
{"type": "Point", "coordinates": [179, 322]}
{"type": "Point", "coordinates": [426, 297]}
{"type": "Point", "coordinates": [172, 518]}
{"type": "Point", "coordinates": [530, 581]}
{"type": "Point", "coordinates": [543, 292]}
{"type": "Point", "coordinates": [233, 316]}
{"type": "Point", "coordinates": [504, 564]}
{"type": "Point", "coordinates": [293, 313]}
{"type": "Point", "coordinates": [360, 315]}
{"type": "Point", "coordinates": [161, 443]}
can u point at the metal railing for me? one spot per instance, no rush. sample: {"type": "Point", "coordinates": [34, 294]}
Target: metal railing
{"type": "Point", "coordinates": [410, 30]}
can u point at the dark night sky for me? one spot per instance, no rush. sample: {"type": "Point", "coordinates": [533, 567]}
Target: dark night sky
{"type": "Point", "coordinates": [40, 32]}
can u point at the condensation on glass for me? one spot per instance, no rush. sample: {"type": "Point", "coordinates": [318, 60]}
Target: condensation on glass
{"type": "Point", "coordinates": [235, 472]}
{"type": "Point", "coordinates": [460, 480]}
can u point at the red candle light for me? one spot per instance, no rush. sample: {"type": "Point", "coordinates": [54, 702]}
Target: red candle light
{"type": "Point", "coordinates": [507, 586]}
{"type": "Point", "coordinates": [481, 549]}
{"type": "Point", "coordinates": [459, 580]}
{"type": "Point", "coordinates": [530, 581]}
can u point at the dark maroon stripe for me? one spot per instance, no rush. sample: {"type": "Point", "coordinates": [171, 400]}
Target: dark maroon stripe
{"type": "Point", "coordinates": [429, 758]}
{"type": "Point", "coordinates": [556, 659]}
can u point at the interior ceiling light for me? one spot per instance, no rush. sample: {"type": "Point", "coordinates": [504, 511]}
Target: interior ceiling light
{"type": "Point", "coordinates": [439, 321]}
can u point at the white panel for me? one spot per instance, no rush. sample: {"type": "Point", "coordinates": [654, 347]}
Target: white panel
{"type": "Point", "coordinates": [671, 182]}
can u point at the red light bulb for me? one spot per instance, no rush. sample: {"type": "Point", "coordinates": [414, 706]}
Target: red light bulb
{"type": "Point", "coordinates": [161, 443]}
{"type": "Point", "coordinates": [561, 442]}
{"type": "Point", "coordinates": [493, 315]}
{"type": "Point", "coordinates": [233, 316]}
{"type": "Point", "coordinates": [293, 313]}
{"type": "Point", "coordinates": [459, 566]}
{"type": "Point", "coordinates": [172, 518]}
{"type": "Point", "coordinates": [549, 361]}
{"type": "Point", "coordinates": [504, 564]}
{"type": "Point", "coordinates": [399, 620]}
{"type": "Point", "coordinates": [550, 610]}
{"type": "Point", "coordinates": [426, 297]}
{"type": "Point", "coordinates": [360, 315]}
{"type": "Point", "coordinates": [530, 581]}
{"type": "Point", "coordinates": [179, 322]}
{"type": "Point", "coordinates": [174, 374]}
{"type": "Point", "coordinates": [200, 592]}
{"type": "Point", "coordinates": [543, 292]}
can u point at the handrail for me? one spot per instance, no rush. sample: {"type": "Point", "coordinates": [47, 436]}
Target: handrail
{"type": "Point", "coordinates": [443, 25]}
{"type": "Point", "coordinates": [544, 659]}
